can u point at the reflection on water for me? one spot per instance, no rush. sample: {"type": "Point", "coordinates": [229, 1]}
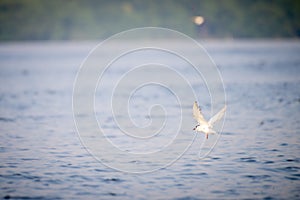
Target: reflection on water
{"type": "Point", "coordinates": [256, 157]}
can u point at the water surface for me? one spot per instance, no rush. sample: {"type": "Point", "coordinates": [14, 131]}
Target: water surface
{"type": "Point", "coordinates": [256, 157]}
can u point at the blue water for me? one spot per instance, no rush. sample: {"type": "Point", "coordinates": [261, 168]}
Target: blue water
{"type": "Point", "coordinates": [257, 156]}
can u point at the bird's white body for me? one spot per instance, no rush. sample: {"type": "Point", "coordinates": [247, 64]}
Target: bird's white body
{"type": "Point", "coordinates": [205, 126]}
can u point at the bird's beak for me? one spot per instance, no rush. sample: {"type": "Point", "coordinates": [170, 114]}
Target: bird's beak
{"type": "Point", "coordinates": [194, 128]}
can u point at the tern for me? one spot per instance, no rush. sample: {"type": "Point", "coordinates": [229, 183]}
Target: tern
{"type": "Point", "coordinates": [204, 125]}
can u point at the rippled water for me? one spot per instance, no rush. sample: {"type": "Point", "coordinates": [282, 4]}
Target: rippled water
{"type": "Point", "coordinates": [257, 156]}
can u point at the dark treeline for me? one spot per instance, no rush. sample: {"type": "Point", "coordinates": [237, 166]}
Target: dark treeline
{"type": "Point", "coordinates": [96, 19]}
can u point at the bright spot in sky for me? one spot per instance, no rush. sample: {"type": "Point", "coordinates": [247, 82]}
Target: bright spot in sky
{"type": "Point", "coordinates": [198, 20]}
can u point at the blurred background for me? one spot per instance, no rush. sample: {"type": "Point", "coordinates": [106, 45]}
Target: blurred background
{"type": "Point", "coordinates": [255, 45]}
{"type": "Point", "coordinates": [93, 19]}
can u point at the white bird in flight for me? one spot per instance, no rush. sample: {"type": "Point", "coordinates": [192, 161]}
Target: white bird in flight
{"type": "Point", "coordinates": [204, 125]}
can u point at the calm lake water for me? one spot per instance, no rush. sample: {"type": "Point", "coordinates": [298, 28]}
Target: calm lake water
{"type": "Point", "coordinates": [256, 157]}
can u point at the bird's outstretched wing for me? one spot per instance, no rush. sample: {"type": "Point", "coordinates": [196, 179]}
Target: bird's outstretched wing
{"type": "Point", "coordinates": [217, 116]}
{"type": "Point", "coordinates": [198, 115]}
